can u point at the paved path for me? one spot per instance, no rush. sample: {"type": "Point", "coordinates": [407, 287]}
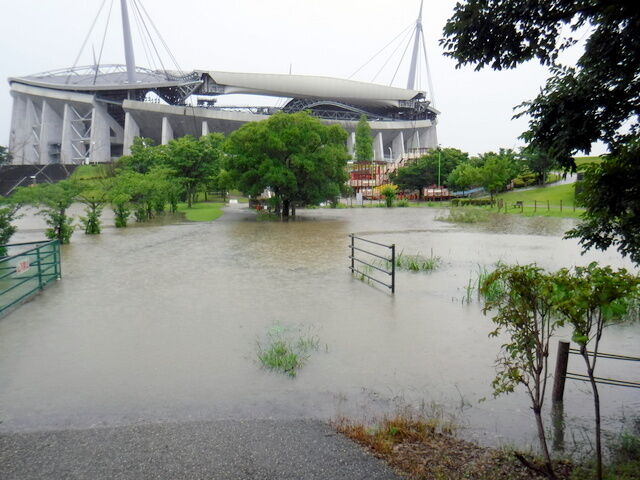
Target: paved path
{"type": "Point", "coordinates": [229, 449]}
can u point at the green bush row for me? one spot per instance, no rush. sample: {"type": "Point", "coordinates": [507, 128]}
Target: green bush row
{"type": "Point", "coordinates": [477, 202]}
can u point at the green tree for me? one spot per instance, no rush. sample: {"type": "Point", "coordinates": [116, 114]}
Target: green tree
{"type": "Point", "coordinates": [195, 161]}
{"type": "Point", "coordinates": [539, 163]}
{"type": "Point", "coordinates": [8, 213]}
{"type": "Point", "coordinates": [597, 99]}
{"type": "Point", "coordinates": [145, 154]}
{"type": "Point", "coordinates": [524, 312]}
{"type": "Point", "coordinates": [364, 141]}
{"type": "Point", "coordinates": [496, 173]}
{"type": "Point", "coordinates": [94, 195]}
{"type": "Point", "coordinates": [463, 177]}
{"type": "Point", "coordinates": [590, 298]}
{"type": "Point", "coordinates": [426, 170]}
{"type": "Point", "coordinates": [5, 156]}
{"type": "Point", "coordinates": [612, 200]}
{"type": "Point", "coordinates": [53, 199]}
{"type": "Point", "coordinates": [296, 157]}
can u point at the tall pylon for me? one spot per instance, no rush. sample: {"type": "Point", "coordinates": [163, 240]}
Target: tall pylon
{"type": "Point", "coordinates": [128, 43]}
{"type": "Point", "coordinates": [418, 38]}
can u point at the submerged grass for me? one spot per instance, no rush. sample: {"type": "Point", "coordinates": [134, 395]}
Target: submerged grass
{"type": "Point", "coordinates": [427, 448]}
{"type": "Point", "coordinates": [465, 215]}
{"type": "Point", "coordinates": [472, 290]}
{"type": "Point", "coordinates": [286, 351]}
{"type": "Point", "coordinates": [418, 263]}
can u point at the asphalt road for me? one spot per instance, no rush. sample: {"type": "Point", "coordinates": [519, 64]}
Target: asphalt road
{"type": "Point", "coordinates": [228, 449]}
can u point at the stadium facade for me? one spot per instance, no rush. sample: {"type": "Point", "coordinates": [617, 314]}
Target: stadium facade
{"type": "Point", "coordinates": [92, 114]}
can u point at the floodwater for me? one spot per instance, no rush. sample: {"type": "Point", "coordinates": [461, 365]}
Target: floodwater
{"type": "Point", "coordinates": [162, 322]}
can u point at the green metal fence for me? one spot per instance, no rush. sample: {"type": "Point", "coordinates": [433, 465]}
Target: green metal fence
{"type": "Point", "coordinates": [27, 269]}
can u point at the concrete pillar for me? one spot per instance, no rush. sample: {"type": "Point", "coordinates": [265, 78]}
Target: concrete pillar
{"type": "Point", "coordinates": [33, 122]}
{"type": "Point", "coordinates": [50, 134]}
{"type": "Point", "coordinates": [19, 134]}
{"type": "Point", "coordinates": [100, 150]}
{"type": "Point", "coordinates": [378, 148]}
{"type": "Point", "coordinates": [131, 131]}
{"type": "Point", "coordinates": [414, 141]}
{"type": "Point", "coordinates": [429, 137]}
{"type": "Point", "coordinates": [205, 128]}
{"type": "Point", "coordinates": [351, 142]}
{"type": "Point", "coordinates": [167, 131]}
{"type": "Point", "coordinates": [66, 147]}
{"type": "Point", "coordinates": [398, 147]}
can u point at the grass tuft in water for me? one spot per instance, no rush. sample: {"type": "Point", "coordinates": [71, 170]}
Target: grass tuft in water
{"type": "Point", "coordinates": [418, 263]}
{"type": "Point", "coordinates": [465, 215]}
{"type": "Point", "coordinates": [284, 351]}
{"type": "Point", "coordinates": [476, 280]}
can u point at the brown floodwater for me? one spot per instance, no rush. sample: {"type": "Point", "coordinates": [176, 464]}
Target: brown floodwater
{"type": "Point", "coordinates": [163, 322]}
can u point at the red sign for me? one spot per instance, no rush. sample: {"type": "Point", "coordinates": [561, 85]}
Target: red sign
{"type": "Point", "coordinates": [22, 266]}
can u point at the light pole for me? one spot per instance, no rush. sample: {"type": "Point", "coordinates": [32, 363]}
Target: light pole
{"type": "Point", "coordinates": [439, 159]}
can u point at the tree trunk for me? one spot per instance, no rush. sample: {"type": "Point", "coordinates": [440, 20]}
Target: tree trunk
{"type": "Point", "coordinates": [543, 443]}
{"type": "Point", "coordinates": [596, 403]}
{"type": "Point", "coordinates": [293, 209]}
{"type": "Point", "coordinates": [285, 208]}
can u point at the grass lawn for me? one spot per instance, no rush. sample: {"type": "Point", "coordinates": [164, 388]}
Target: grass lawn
{"type": "Point", "coordinates": [201, 212]}
{"type": "Point", "coordinates": [553, 194]}
{"type": "Point", "coordinates": [586, 160]}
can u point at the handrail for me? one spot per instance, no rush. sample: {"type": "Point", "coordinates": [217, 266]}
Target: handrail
{"type": "Point", "coordinates": [391, 261]}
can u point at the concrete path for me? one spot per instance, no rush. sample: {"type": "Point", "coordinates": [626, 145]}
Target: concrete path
{"type": "Point", "coordinates": [229, 449]}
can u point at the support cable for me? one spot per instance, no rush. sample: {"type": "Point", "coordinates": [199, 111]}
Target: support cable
{"type": "Point", "coordinates": [401, 59]}
{"type": "Point", "coordinates": [408, 32]}
{"type": "Point", "coordinates": [84, 43]}
{"type": "Point", "coordinates": [104, 37]}
{"type": "Point", "coordinates": [429, 81]}
{"type": "Point", "coordinates": [166, 47]}
{"type": "Point", "coordinates": [136, 6]}
{"type": "Point", "coordinates": [143, 40]}
{"type": "Point", "coordinates": [381, 50]}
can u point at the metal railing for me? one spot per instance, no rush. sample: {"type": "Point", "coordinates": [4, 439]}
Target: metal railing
{"type": "Point", "coordinates": [386, 261]}
{"type": "Point", "coordinates": [28, 269]}
{"type": "Point", "coordinates": [562, 374]}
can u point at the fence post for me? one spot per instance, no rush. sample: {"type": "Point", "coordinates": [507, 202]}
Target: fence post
{"type": "Point", "coordinates": [548, 207]}
{"type": "Point", "coordinates": [393, 268]}
{"type": "Point", "coordinates": [39, 268]}
{"type": "Point", "coordinates": [561, 371]}
{"type": "Point", "coordinates": [561, 205]}
{"type": "Point", "coordinates": [352, 254]}
{"type": "Point", "coordinates": [535, 206]}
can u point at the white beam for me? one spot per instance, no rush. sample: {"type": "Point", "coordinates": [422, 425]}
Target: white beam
{"type": "Point", "coordinates": [131, 131]}
{"type": "Point", "coordinates": [167, 131]}
{"type": "Point", "coordinates": [378, 148]}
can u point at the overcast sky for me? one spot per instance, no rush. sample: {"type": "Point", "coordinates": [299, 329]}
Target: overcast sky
{"type": "Point", "coordinates": [313, 37]}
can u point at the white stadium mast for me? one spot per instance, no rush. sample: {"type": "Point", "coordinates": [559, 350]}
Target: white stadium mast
{"type": "Point", "coordinates": [418, 36]}
{"type": "Point", "coordinates": [128, 44]}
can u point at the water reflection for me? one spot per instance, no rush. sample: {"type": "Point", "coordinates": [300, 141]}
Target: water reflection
{"type": "Point", "coordinates": [161, 322]}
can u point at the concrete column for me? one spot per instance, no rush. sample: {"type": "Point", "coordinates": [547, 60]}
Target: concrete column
{"type": "Point", "coordinates": [100, 150]}
{"type": "Point", "coordinates": [131, 131]}
{"type": "Point", "coordinates": [66, 147]}
{"type": "Point", "coordinates": [398, 147]}
{"type": "Point", "coordinates": [19, 134]}
{"type": "Point", "coordinates": [414, 141]}
{"type": "Point", "coordinates": [351, 142]}
{"type": "Point", "coordinates": [429, 137]}
{"type": "Point", "coordinates": [205, 128]}
{"type": "Point", "coordinates": [33, 122]}
{"type": "Point", "coordinates": [167, 131]}
{"type": "Point", "coordinates": [50, 133]}
{"type": "Point", "coordinates": [378, 148]}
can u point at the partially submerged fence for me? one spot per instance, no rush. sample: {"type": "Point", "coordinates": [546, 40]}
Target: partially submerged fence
{"type": "Point", "coordinates": [387, 266]}
{"type": "Point", "coordinates": [562, 361]}
{"type": "Point", "coordinates": [27, 270]}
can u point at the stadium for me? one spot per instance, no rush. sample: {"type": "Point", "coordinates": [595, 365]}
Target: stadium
{"type": "Point", "coordinates": [91, 114]}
